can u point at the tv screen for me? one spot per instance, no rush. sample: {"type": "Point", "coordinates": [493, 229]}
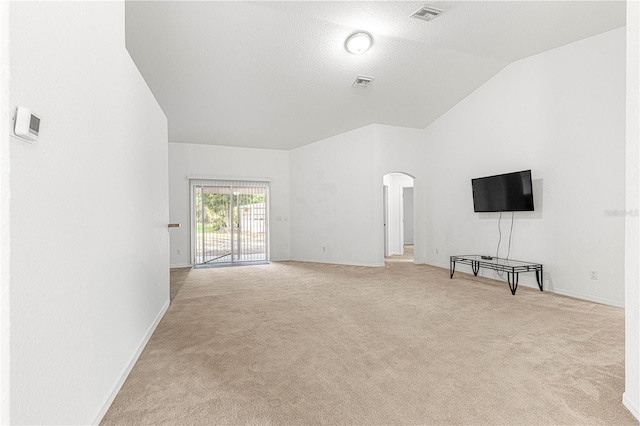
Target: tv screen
{"type": "Point", "coordinates": [510, 192]}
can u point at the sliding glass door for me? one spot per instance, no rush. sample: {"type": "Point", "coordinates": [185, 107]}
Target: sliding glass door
{"type": "Point", "coordinates": [229, 221]}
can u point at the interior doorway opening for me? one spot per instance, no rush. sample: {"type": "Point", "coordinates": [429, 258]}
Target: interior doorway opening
{"type": "Point", "coordinates": [229, 222]}
{"type": "Point", "coordinates": [398, 214]}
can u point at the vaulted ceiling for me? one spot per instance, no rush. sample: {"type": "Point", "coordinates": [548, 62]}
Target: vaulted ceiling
{"type": "Point", "coordinates": [276, 74]}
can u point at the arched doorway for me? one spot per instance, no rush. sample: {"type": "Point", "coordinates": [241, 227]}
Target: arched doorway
{"type": "Point", "coordinates": [398, 214]}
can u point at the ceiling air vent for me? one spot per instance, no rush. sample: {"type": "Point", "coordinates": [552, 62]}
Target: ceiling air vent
{"type": "Point", "coordinates": [426, 13]}
{"type": "Point", "coordinates": [362, 81]}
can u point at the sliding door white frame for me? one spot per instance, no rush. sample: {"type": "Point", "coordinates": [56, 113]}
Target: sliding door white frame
{"type": "Point", "coordinates": [202, 181]}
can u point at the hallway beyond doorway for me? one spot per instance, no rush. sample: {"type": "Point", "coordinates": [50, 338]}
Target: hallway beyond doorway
{"type": "Point", "coordinates": [406, 257]}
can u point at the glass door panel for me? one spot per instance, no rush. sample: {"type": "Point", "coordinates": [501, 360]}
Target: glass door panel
{"type": "Point", "coordinates": [230, 221]}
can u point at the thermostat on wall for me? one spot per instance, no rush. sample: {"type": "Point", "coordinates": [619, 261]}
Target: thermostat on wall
{"type": "Point", "coordinates": [27, 124]}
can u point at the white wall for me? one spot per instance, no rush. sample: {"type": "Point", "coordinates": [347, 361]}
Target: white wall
{"type": "Point", "coordinates": [89, 212]}
{"type": "Point", "coordinates": [561, 114]}
{"type": "Point", "coordinates": [336, 201]}
{"type": "Point", "coordinates": [5, 353]}
{"type": "Point", "coordinates": [227, 162]}
{"type": "Point", "coordinates": [336, 193]}
{"type": "Point", "coordinates": [407, 208]}
{"type": "Point", "coordinates": [631, 398]}
{"type": "Point", "coordinates": [404, 150]}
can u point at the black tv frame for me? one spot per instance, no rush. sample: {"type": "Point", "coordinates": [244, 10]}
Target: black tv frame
{"type": "Point", "coordinates": [527, 205]}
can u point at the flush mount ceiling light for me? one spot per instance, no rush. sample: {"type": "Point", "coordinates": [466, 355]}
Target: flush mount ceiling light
{"type": "Point", "coordinates": [358, 42]}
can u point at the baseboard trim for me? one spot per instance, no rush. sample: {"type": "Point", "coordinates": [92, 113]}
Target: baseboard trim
{"type": "Point", "coordinates": [333, 262]}
{"type": "Point", "coordinates": [633, 408]}
{"type": "Point", "coordinates": [181, 265]}
{"type": "Point", "coordinates": [127, 368]}
{"type": "Point", "coordinates": [582, 296]}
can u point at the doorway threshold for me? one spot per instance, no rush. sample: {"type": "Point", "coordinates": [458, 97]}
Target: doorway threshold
{"type": "Point", "coordinates": [225, 265]}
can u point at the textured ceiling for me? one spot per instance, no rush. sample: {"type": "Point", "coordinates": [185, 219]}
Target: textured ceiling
{"type": "Point", "coordinates": [276, 74]}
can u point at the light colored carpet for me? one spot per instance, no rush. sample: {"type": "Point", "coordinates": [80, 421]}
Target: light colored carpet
{"type": "Point", "coordinates": [177, 277]}
{"type": "Point", "coordinates": [301, 343]}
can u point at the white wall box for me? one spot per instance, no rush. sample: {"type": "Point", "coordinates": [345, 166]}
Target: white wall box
{"type": "Point", "coordinates": [27, 124]}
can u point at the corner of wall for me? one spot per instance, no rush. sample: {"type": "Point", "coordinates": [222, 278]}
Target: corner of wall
{"type": "Point", "coordinates": [631, 397]}
{"type": "Point", "coordinates": [97, 418]}
{"type": "Point", "coordinates": [5, 114]}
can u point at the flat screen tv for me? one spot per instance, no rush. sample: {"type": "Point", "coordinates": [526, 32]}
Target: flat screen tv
{"type": "Point", "coordinates": [510, 192]}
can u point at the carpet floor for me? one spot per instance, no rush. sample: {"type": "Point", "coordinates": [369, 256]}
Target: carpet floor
{"type": "Point", "coordinates": [301, 343]}
{"type": "Point", "coordinates": [178, 275]}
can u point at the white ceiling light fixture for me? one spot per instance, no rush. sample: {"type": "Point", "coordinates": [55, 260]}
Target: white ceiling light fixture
{"type": "Point", "coordinates": [358, 42]}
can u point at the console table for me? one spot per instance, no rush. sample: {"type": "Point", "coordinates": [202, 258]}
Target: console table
{"type": "Point", "coordinates": [511, 267]}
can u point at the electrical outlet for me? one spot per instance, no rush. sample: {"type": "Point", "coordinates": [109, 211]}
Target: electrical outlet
{"type": "Point", "coordinates": [178, 251]}
{"type": "Point", "coordinates": [323, 248]}
{"type": "Point", "coordinates": [593, 274]}
{"type": "Point", "coordinates": [437, 251]}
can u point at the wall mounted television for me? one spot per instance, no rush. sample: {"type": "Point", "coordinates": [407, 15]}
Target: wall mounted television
{"type": "Point", "coordinates": [510, 192]}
